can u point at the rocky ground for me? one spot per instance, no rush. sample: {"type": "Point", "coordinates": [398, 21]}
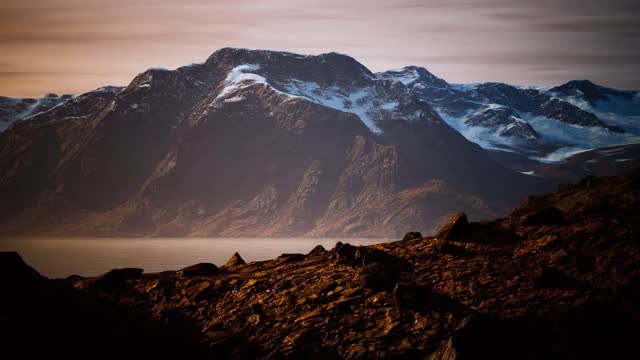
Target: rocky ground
{"type": "Point", "coordinates": [559, 278]}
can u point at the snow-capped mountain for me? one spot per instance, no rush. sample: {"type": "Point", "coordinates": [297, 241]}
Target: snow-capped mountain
{"type": "Point", "coordinates": [249, 143]}
{"type": "Point", "coordinates": [53, 106]}
{"type": "Point", "coordinates": [12, 109]}
{"type": "Point", "coordinates": [547, 124]}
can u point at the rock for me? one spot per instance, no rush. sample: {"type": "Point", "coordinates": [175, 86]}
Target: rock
{"type": "Point", "coordinates": [550, 278]}
{"type": "Point", "coordinates": [413, 294]}
{"type": "Point", "coordinates": [546, 216]}
{"type": "Point", "coordinates": [319, 250]}
{"type": "Point", "coordinates": [235, 260]}
{"type": "Point", "coordinates": [288, 258]}
{"type": "Point", "coordinates": [362, 255]}
{"type": "Point", "coordinates": [13, 270]}
{"type": "Point", "coordinates": [454, 227]}
{"type": "Point", "coordinates": [376, 277]}
{"type": "Point", "coordinates": [485, 337]}
{"type": "Point", "coordinates": [201, 269]}
{"type": "Point", "coordinates": [116, 278]}
{"type": "Point", "coordinates": [344, 253]}
{"type": "Point", "coordinates": [412, 235]}
{"type": "Point", "coordinates": [195, 292]}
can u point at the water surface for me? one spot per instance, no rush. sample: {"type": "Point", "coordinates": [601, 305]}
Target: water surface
{"type": "Point", "coordinates": [58, 257]}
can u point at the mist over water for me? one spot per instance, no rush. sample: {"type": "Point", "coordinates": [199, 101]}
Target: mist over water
{"type": "Point", "coordinates": [58, 257]}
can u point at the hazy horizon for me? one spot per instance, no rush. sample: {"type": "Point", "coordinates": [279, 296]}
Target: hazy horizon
{"type": "Point", "coordinates": [72, 46]}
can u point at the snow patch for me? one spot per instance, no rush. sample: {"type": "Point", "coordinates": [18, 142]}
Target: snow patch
{"type": "Point", "coordinates": [240, 77]}
{"type": "Point", "coordinates": [358, 101]}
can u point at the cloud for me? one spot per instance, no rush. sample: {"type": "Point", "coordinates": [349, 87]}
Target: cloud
{"type": "Point", "coordinates": [520, 41]}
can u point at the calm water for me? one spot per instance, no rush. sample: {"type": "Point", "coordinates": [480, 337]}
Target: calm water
{"type": "Point", "coordinates": [94, 256]}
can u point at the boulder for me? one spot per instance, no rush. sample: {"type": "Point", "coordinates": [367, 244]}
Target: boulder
{"type": "Point", "coordinates": [412, 235]}
{"type": "Point", "coordinates": [454, 227]}
{"type": "Point", "coordinates": [235, 260]}
{"type": "Point", "coordinates": [319, 250]}
{"type": "Point", "coordinates": [546, 216]}
{"type": "Point", "coordinates": [201, 269]}
{"type": "Point", "coordinates": [116, 278]}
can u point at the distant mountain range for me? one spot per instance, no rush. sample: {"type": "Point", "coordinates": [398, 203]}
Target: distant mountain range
{"type": "Point", "coordinates": [265, 143]}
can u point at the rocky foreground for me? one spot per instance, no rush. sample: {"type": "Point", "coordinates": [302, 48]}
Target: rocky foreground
{"type": "Point", "coordinates": [559, 278]}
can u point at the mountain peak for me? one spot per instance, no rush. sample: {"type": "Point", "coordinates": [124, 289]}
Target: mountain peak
{"type": "Point", "coordinates": [412, 74]}
{"type": "Point", "coordinates": [329, 67]}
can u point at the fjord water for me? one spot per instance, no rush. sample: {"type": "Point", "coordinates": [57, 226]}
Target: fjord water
{"type": "Point", "coordinates": [61, 257]}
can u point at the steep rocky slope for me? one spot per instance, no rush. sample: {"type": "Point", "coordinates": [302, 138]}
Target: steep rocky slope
{"type": "Point", "coordinates": [556, 279]}
{"type": "Point", "coordinates": [249, 143]}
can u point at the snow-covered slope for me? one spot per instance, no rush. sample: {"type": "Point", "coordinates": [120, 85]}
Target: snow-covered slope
{"type": "Point", "coordinates": [12, 109]}
{"type": "Point", "coordinates": [547, 124]}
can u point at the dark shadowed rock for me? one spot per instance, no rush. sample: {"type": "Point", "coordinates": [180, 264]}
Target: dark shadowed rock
{"type": "Point", "coordinates": [288, 258]}
{"type": "Point", "coordinates": [550, 278]}
{"type": "Point", "coordinates": [454, 227]}
{"type": "Point", "coordinates": [13, 270]}
{"type": "Point", "coordinates": [547, 216]}
{"type": "Point", "coordinates": [235, 259]}
{"type": "Point", "coordinates": [412, 235]}
{"type": "Point", "coordinates": [375, 276]}
{"type": "Point", "coordinates": [116, 278]}
{"type": "Point", "coordinates": [319, 250]}
{"type": "Point", "coordinates": [413, 294]}
{"type": "Point", "coordinates": [201, 269]}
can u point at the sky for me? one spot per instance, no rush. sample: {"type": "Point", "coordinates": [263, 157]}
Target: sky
{"type": "Point", "coordinates": [73, 46]}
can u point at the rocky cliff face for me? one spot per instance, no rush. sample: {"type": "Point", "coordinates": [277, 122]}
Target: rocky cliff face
{"type": "Point", "coordinates": [249, 143]}
{"type": "Point", "coordinates": [558, 278]}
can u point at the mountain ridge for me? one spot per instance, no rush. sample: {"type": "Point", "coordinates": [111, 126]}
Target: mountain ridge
{"type": "Point", "coordinates": [249, 143]}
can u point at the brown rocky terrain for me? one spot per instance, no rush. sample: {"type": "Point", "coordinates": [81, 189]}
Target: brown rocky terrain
{"type": "Point", "coordinates": [559, 278]}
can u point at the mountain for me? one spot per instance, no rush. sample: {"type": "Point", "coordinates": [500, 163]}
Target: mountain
{"type": "Point", "coordinates": [12, 109]}
{"type": "Point", "coordinates": [248, 143]}
{"type": "Point", "coordinates": [541, 124]}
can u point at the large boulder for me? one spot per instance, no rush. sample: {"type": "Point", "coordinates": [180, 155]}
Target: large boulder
{"type": "Point", "coordinates": [200, 269]}
{"type": "Point", "coordinates": [454, 227]}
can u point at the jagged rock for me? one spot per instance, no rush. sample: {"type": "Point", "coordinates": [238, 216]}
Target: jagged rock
{"type": "Point", "coordinates": [412, 235]}
{"type": "Point", "coordinates": [317, 251]}
{"type": "Point", "coordinates": [201, 269]}
{"type": "Point", "coordinates": [235, 260]}
{"type": "Point", "coordinates": [546, 216]}
{"type": "Point", "coordinates": [454, 227]}
{"type": "Point", "coordinates": [116, 278]}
